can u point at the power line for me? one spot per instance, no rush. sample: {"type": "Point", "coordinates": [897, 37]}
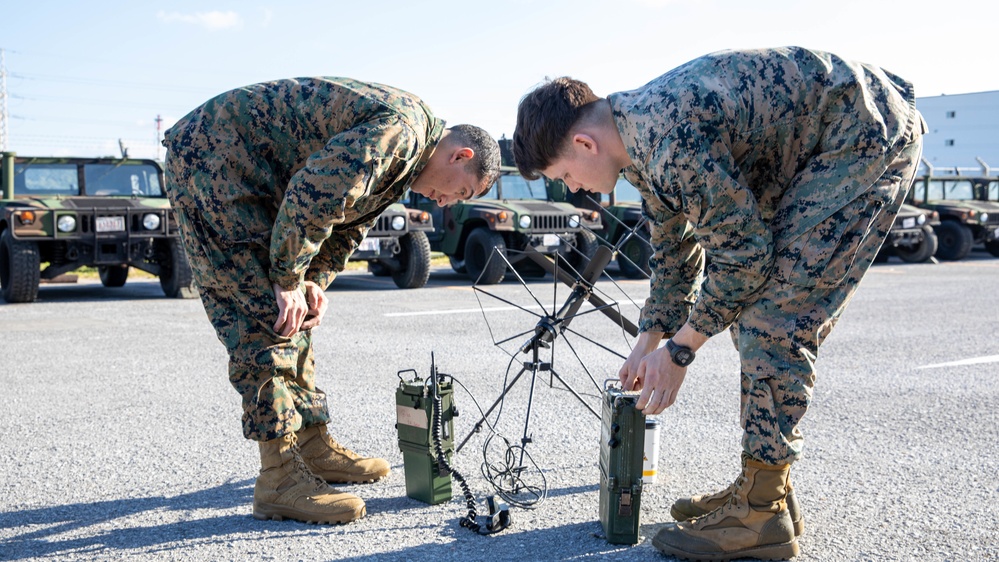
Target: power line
{"type": "Point", "coordinates": [99, 82]}
{"type": "Point", "coordinates": [113, 103]}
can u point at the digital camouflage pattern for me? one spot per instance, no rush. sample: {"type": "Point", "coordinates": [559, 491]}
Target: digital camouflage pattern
{"type": "Point", "coordinates": [278, 183]}
{"type": "Point", "coordinates": [770, 176]}
{"type": "Point", "coordinates": [304, 166]}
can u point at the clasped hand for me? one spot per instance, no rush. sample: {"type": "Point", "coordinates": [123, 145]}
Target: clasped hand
{"type": "Point", "coordinates": [299, 310]}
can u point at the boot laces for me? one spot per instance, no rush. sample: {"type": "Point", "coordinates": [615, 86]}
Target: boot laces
{"type": "Point", "coordinates": [304, 470]}
{"type": "Point", "coordinates": [733, 501]}
{"type": "Point", "coordinates": [336, 446]}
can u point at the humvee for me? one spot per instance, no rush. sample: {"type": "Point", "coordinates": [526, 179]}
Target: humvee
{"type": "Point", "coordinates": [397, 246]}
{"type": "Point", "coordinates": [911, 237]}
{"type": "Point", "coordinates": [515, 215]}
{"type": "Point", "coordinates": [967, 215]}
{"type": "Point", "coordinates": [66, 213]}
{"type": "Point", "coordinates": [621, 213]}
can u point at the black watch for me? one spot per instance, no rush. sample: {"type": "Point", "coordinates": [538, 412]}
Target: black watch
{"type": "Point", "coordinates": [680, 354]}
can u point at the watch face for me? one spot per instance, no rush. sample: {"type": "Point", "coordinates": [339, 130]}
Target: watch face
{"type": "Point", "coordinates": [684, 357]}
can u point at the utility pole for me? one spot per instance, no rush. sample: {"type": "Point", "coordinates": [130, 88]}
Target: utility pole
{"type": "Point", "coordinates": [159, 123]}
{"type": "Point", "coordinates": [4, 112]}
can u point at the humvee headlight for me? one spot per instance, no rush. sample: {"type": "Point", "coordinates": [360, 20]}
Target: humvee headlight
{"type": "Point", "coordinates": [573, 221]}
{"type": "Point", "coordinates": [983, 218]}
{"type": "Point", "coordinates": [151, 221]}
{"type": "Point", "coordinates": [398, 222]}
{"type": "Point", "coordinates": [525, 221]}
{"type": "Point", "coordinates": [594, 215]}
{"type": "Point", "coordinates": [66, 223]}
{"type": "Point", "coordinates": [424, 217]}
{"type": "Point", "coordinates": [503, 216]}
{"type": "Point", "coordinates": [27, 217]}
{"type": "Point", "coordinates": [921, 220]}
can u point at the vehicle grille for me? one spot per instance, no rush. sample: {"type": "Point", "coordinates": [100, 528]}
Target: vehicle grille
{"type": "Point", "coordinates": [383, 227]}
{"type": "Point", "coordinates": [550, 223]}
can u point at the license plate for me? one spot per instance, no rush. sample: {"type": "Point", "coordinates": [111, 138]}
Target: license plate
{"type": "Point", "coordinates": [369, 245]}
{"type": "Point", "coordinates": [551, 240]}
{"type": "Point", "coordinates": [909, 222]}
{"type": "Point", "coordinates": [110, 224]}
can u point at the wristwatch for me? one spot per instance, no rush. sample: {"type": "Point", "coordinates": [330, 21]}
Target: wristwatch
{"type": "Point", "coordinates": [680, 354]}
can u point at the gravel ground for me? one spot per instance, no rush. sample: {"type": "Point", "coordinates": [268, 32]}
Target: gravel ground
{"type": "Point", "coordinates": [121, 438]}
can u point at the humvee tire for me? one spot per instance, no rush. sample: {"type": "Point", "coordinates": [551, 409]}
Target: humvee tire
{"type": "Point", "coordinates": [457, 265]}
{"type": "Point", "coordinates": [113, 275]}
{"type": "Point", "coordinates": [586, 246]}
{"type": "Point", "coordinates": [924, 251]}
{"type": "Point", "coordinates": [414, 261]}
{"type": "Point", "coordinates": [19, 269]}
{"type": "Point", "coordinates": [638, 250]}
{"type": "Point", "coordinates": [176, 278]}
{"type": "Point", "coordinates": [478, 249]}
{"type": "Point", "coordinates": [954, 241]}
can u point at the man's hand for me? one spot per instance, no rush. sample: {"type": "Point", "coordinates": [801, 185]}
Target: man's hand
{"type": "Point", "coordinates": [298, 310]}
{"type": "Point", "coordinates": [291, 310]}
{"type": "Point", "coordinates": [661, 379]}
{"type": "Point", "coordinates": [653, 371]}
{"type": "Point", "coordinates": [315, 297]}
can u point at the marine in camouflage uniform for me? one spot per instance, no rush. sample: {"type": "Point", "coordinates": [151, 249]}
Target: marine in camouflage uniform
{"type": "Point", "coordinates": [274, 186]}
{"type": "Point", "coordinates": [771, 178]}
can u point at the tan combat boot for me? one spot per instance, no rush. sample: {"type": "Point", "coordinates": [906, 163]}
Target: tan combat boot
{"type": "Point", "coordinates": [753, 523]}
{"type": "Point", "coordinates": [335, 463]}
{"type": "Point", "coordinates": [689, 508]}
{"type": "Point", "coordinates": [287, 489]}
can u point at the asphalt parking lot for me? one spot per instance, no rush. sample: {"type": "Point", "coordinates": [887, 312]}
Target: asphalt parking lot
{"type": "Point", "coordinates": [120, 436]}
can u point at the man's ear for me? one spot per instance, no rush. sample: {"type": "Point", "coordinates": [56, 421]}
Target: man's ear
{"type": "Point", "coordinates": [462, 155]}
{"type": "Point", "coordinates": [584, 142]}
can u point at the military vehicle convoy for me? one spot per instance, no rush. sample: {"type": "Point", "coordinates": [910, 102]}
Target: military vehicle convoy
{"type": "Point", "coordinates": [397, 246]}
{"type": "Point", "coordinates": [67, 213]}
{"type": "Point", "coordinates": [968, 208]}
{"type": "Point", "coordinates": [515, 215]}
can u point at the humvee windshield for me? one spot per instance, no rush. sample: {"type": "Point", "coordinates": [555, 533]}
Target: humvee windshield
{"type": "Point", "coordinates": [516, 187]}
{"type": "Point", "coordinates": [49, 180]}
{"type": "Point", "coordinates": [123, 179]}
{"type": "Point", "coordinates": [956, 190]}
{"type": "Point", "coordinates": [46, 180]}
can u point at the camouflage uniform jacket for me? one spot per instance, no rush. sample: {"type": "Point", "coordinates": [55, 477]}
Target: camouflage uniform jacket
{"type": "Point", "coordinates": [302, 166]}
{"type": "Point", "coordinates": [739, 152]}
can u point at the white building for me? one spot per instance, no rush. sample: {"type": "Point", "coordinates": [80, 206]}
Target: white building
{"type": "Point", "coordinates": [964, 132]}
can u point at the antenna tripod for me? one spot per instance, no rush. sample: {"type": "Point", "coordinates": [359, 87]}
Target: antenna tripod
{"type": "Point", "coordinates": [549, 327]}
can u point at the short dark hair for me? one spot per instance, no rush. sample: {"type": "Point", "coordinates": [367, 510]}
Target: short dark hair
{"type": "Point", "coordinates": [544, 118]}
{"type": "Point", "coordinates": [486, 162]}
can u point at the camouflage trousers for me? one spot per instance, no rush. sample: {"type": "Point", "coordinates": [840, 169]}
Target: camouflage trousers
{"type": "Point", "coordinates": [779, 334]}
{"type": "Point", "coordinates": [274, 374]}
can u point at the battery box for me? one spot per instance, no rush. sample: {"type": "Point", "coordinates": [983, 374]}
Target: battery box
{"type": "Point", "coordinates": [426, 480]}
{"type": "Point", "coordinates": [622, 444]}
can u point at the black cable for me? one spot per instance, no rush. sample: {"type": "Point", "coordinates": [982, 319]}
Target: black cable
{"type": "Point", "coordinates": [469, 520]}
{"type": "Point", "coordinates": [495, 474]}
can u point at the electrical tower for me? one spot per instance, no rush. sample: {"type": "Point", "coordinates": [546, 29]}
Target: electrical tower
{"type": "Point", "coordinates": [4, 112]}
{"type": "Point", "coordinates": [159, 123]}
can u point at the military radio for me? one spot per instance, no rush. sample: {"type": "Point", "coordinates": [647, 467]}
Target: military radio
{"type": "Point", "coordinates": [427, 479]}
{"type": "Point", "coordinates": [425, 413]}
{"type": "Point", "coordinates": [622, 456]}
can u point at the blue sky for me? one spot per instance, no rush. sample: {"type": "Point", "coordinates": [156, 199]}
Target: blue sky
{"type": "Point", "coordinates": [81, 75]}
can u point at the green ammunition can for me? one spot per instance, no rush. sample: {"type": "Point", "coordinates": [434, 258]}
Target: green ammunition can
{"type": "Point", "coordinates": [426, 480]}
{"type": "Point", "coordinates": [622, 443]}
